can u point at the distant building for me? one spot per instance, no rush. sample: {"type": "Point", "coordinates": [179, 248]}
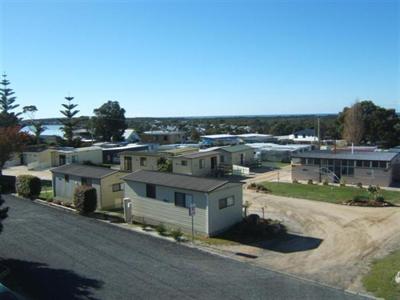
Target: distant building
{"type": "Point", "coordinates": [257, 138]}
{"type": "Point", "coordinates": [376, 168]}
{"type": "Point", "coordinates": [159, 197]}
{"type": "Point", "coordinates": [43, 157]}
{"type": "Point", "coordinates": [163, 137]}
{"type": "Point", "coordinates": [148, 160]}
{"type": "Point", "coordinates": [107, 182]}
{"type": "Point", "coordinates": [306, 136]}
{"type": "Point", "coordinates": [197, 163]}
{"type": "Point", "coordinates": [241, 155]}
{"type": "Point", "coordinates": [219, 140]}
{"type": "Point", "coordinates": [131, 136]}
{"type": "Point", "coordinates": [111, 152]}
{"type": "Point", "coordinates": [277, 152]}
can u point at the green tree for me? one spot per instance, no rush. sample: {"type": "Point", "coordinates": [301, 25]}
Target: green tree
{"type": "Point", "coordinates": [38, 127]}
{"type": "Point", "coordinates": [7, 104]}
{"type": "Point", "coordinates": [109, 121]}
{"type": "Point", "coordinates": [381, 125]}
{"type": "Point", "coordinates": [11, 141]}
{"type": "Point", "coordinates": [69, 122]}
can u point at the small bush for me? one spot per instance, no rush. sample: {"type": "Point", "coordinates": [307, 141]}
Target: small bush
{"type": "Point", "coordinates": [295, 181]}
{"type": "Point", "coordinates": [176, 234]}
{"type": "Point", "coordinates": [360, 185]}
{"type": "Point", "coordinates": [261, 188]}
{"type": "Point", "coordinates": [160, 228]}
{"type": "Point", "coordinates": [380, 198]}
{"type": "Point", "coordinates": [310, 181]}
{"type": "Point", "coordinates": [252, 186]}
{"type": "Point", "coordinates": [360, 199]}
{"type": "Point", "coordinates": [85, 199]}
{"type": "Point", "coordinates": [28, 186]}
{"type": "Point", "coordinates": [325, 182]}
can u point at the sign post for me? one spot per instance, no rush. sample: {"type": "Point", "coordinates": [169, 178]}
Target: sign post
{"type": "Point", "coordinates": [192, 212]}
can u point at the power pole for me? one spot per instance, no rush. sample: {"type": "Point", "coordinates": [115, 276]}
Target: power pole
{"type": "Point", "coordinates": [319, 133]}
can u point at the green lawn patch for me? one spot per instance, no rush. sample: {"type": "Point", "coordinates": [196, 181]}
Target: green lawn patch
{"type": "Point", "coordinates": [380, 279]}
{"type": "Point", "coordinates": [332, 194]}
{"type": "Point", "coordinates": [46, 193]}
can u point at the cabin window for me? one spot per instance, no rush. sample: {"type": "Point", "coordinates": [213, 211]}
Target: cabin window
{"type": "Point", "coordinates": [226, 202]}
{"type": "Point", "coordinates": [366, 164]}
{"type": "Point", "coordinates": [182, 199]}
{"type": "Point", "coordinates": [143, 161]}
{"type": "Point", "coordinates": [128, 163]}
{"type": "Point", "coordinates": [383, 164]}
{"type": "Point", "coordinates": [222, 159]}
{"type": "Point", "coordinates": [359, 163]}
{"type": "Point", "coordinates": [117, 187]}
{"type": "Point", "coordinates": [86, 181]}
{"type": "Point", "coordinates": [184, 162]}
{"type": "Point", "coordinates": [151, 191]}
{"type": "Point", "coordinates": [375, 164]}
{"type": "Point", "coordinates": [66, 178]}
{"type": "Point", "coordinates": [201, 164]}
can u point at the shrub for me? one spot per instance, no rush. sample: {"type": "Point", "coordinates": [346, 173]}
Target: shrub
{"type": "Point", "coordinates": [360, 185]}
{"type": "Point", "coordinates": [309, 181]}
{"type": "Point", "coordinates": [160, 228]}
{"type": "Point", "coordinates": [295, 181]}
{"type": "Point", "coordinates": [85, 199]}
{"type": "Point", "coordinates": [380, 198]}
{"type": "Point", "coordinates": [28, 186]}
{"type": "Point", "coordinates": [261, 188]}
{"type": "Point", "coordinates": [325, 182]}
{"type": "Point", "coordinates": [176, 234]}
{"type": "Point", "coordinates": [360, 199]}
{"type": "Point", "coordinates": [252, 186]}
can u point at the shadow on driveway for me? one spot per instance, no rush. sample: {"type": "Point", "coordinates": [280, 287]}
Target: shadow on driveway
{"type": "Point", "coordinates": [37, 281]}
{"type": "Point", "coordinates": [289, 243]}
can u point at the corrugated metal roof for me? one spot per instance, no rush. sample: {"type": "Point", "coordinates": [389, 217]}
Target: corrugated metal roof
{"type": "Point", "coordinates": [141, 153]}
{"type": "Point", "coordinates": [236, 148]}
{"type": "Point", "coordinates": [83, 171]}
{"type": "Point", "coordinates": [377, 156]}
{"type": "Point", "coordinates": [198, 154]}
{"type": "Point", "coordinates": [185, 182]}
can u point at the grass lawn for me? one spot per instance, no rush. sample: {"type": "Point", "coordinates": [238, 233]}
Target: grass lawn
{"type": "Point", "coordinates": [380, 279]}
{"type": "Point", "coordinates": [46, 193]}
{"type": "Point", "coordinates": [332, 194]}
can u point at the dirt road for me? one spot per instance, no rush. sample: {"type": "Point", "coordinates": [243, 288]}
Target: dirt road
{"type": "Point", "coordinates": [330, 243]}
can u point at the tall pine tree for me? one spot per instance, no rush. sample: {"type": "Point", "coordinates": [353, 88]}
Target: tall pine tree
{"type": "Point", "coordinates": [7, 104]}
{"type": "Point", "coordinates": [69, 122]}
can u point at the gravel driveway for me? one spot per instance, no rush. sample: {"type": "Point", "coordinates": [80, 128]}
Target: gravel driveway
{"type": "Point", "coordinates": [330, 243]}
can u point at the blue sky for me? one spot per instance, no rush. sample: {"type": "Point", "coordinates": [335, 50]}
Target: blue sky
{"type": "Point", "coordinates": [188, 58]}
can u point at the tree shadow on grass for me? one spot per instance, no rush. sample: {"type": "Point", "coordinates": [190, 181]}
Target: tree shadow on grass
{"type": "Point", "coordinates": [38, 281]}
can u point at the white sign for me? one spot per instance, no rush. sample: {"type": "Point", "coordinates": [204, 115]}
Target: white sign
{"type": "Point", "coordinates": [192, 209]}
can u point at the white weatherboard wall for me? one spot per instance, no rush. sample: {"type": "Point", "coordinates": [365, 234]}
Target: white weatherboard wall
{"type": "Point", "coordinates": [163, 209]}
{"type": "Point", "coordinates": [222, 219]}
{"type": "Point", "coordinates": [208, 220]}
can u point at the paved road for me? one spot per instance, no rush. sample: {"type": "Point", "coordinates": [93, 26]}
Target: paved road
{"type": "Point", "coordinates": [58, 255]}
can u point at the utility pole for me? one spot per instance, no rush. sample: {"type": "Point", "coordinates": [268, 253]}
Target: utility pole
{"type": "Point", "coordinates": [319, 132]}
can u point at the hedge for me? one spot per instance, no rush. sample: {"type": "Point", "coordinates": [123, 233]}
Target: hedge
{"type": "Point", "coordinates": [85, 199]}
{"type": "Point", "coordinates": [28, 186]}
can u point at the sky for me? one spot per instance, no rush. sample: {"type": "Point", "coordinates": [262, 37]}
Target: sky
{"type": "Point", "coordinates": [201, 58]}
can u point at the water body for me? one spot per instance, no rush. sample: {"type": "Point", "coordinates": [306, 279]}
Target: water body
{"type": "Point", "coordinates": [50, 130]}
